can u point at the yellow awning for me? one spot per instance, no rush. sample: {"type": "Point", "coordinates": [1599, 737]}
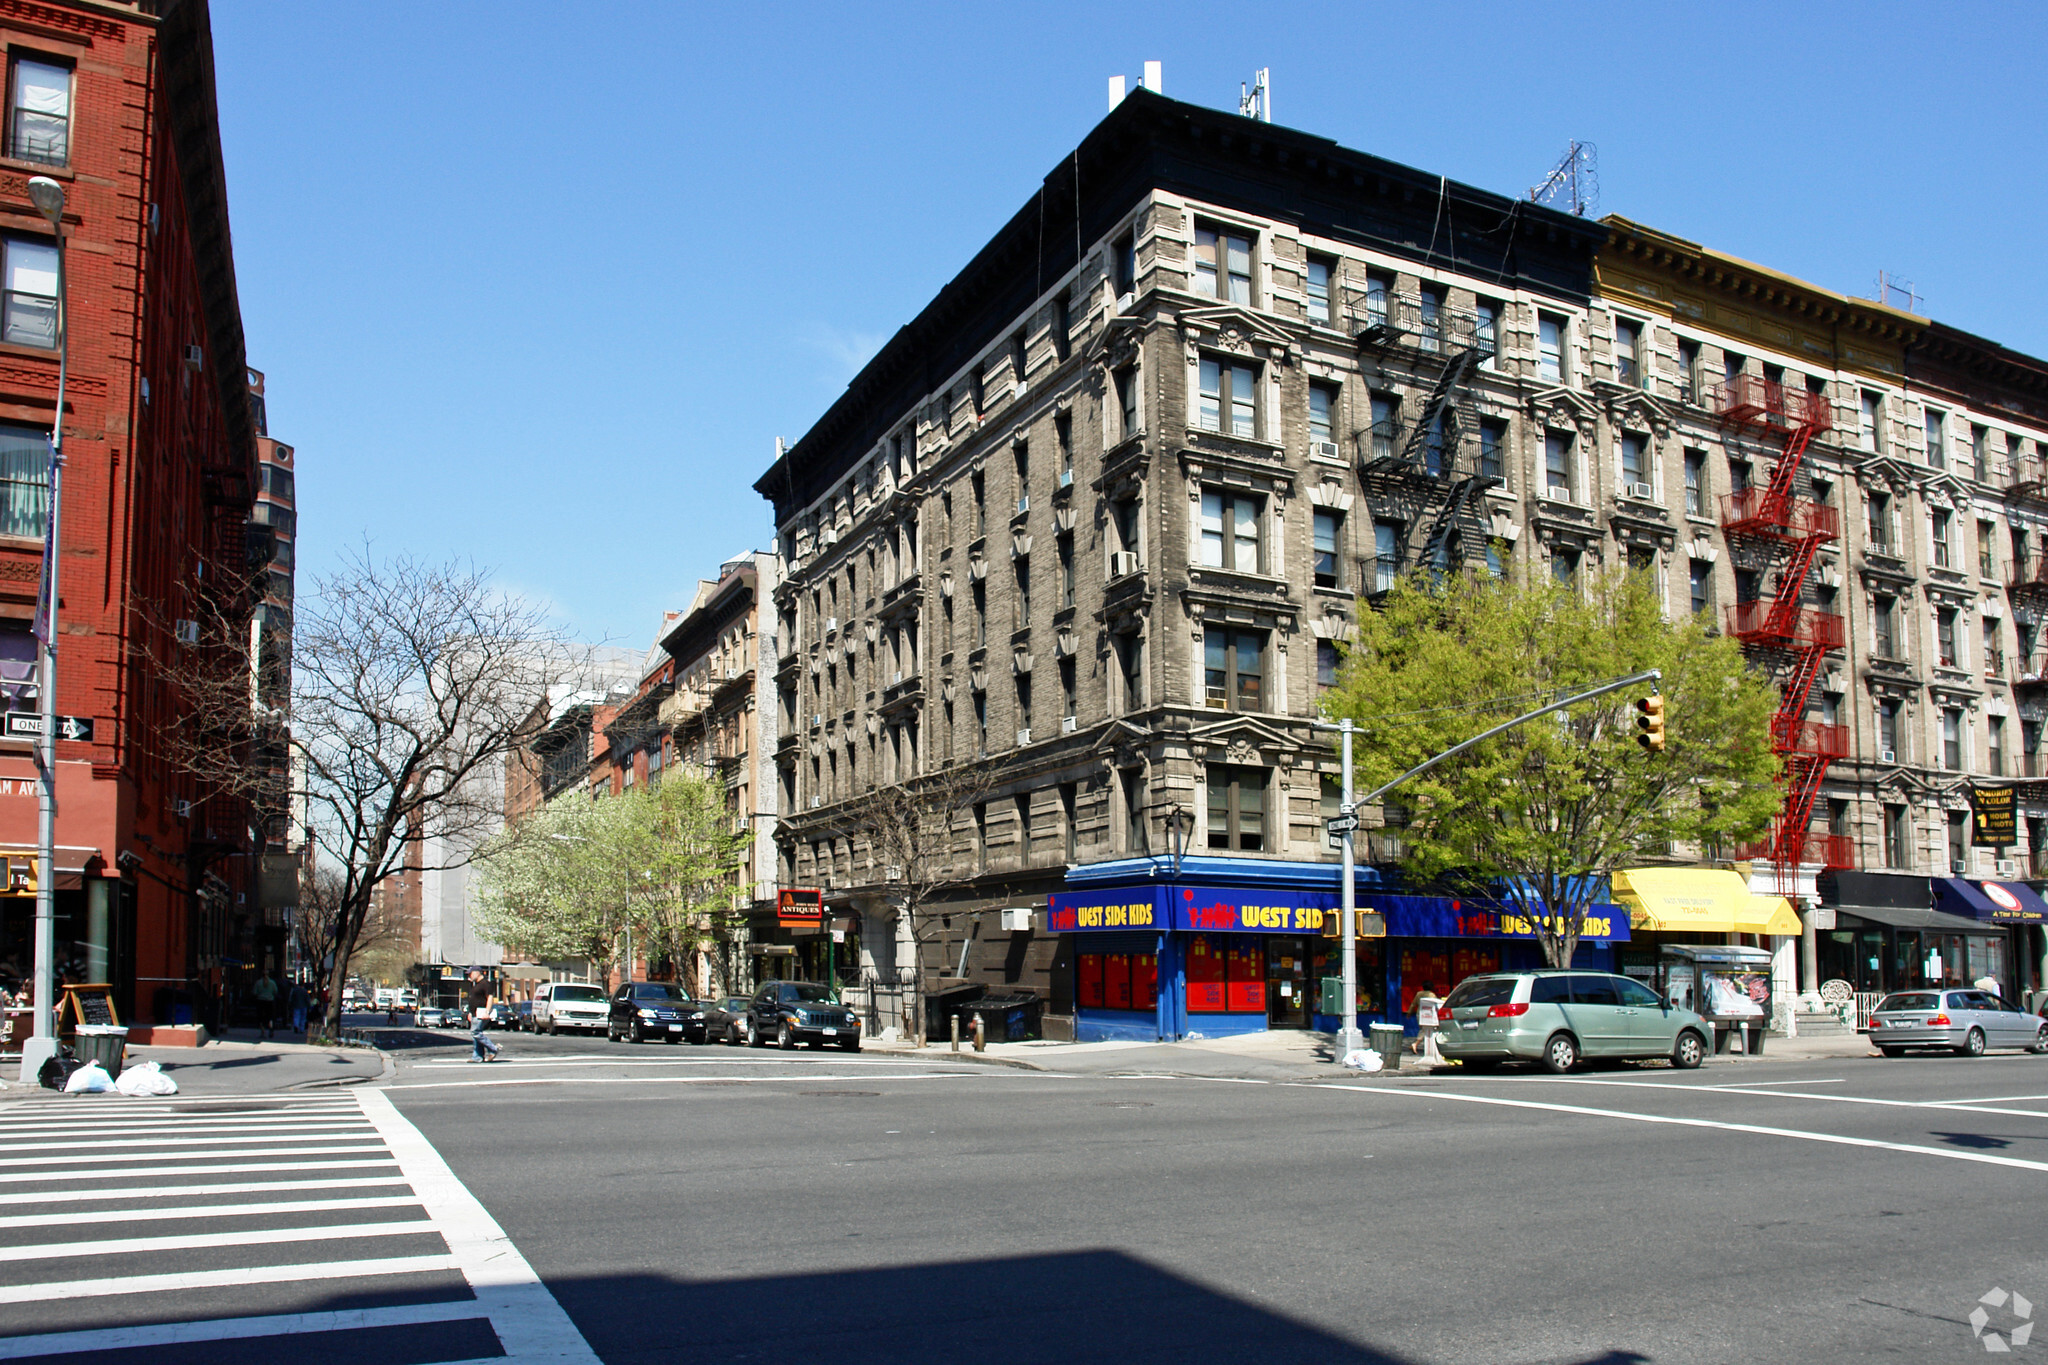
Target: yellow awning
{"type": "Point", "coordinates": [1700, 900]}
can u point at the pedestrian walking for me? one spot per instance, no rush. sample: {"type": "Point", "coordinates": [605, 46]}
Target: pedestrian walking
{"type": "Point", "coordinates": [300, 1003]}
{"type": "Point", "coordinates": [483, 1050]}
{"type": "Point", "coordinates": [264, 993]}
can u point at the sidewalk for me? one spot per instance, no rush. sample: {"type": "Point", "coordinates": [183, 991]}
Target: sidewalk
{"type": "Point", "coordinates": [232, 1067]}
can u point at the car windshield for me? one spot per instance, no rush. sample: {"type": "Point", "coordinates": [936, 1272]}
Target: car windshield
{"type": "Point", "coordinates": [577, 993]}
{"type": "Point", "coordinates": [1910, 1000]}
{"type": "Point", "coordinates": [659, 991]}
{"type": "Point", "coordinates": [1482, 990]}
{"type": "Point", "coordinates": [807, 995]}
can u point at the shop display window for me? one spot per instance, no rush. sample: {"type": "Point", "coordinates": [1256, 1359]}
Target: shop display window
{"type": "Point", "coordinates": [1372, 972]}
{"type": "Point", "coordinates": [1089, 987]}
{"type": "Point", "coordinates": [1116, 981]}
{"type": "Point", "coordinates": [1144, 981]}
{"type": "Point", "coordinates": [1424, 967]}
{"type": "Point", "coordinates": [1226, 974]}
{"type": "Point", "coordinates": [1205, 973]}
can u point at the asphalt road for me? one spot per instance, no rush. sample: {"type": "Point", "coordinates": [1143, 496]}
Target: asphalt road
{"type": "Point", "coordinates": [686, 1203]}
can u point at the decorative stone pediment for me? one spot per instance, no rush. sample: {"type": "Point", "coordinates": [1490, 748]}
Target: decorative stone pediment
{"type": "Point", "coordinates": [1565, 410]}
{"type": "Point", "coordinates": [1235, 331]}
{"type": "Point", "coordinates": [1242, 739]}
{"type": "Point", "coordinates": [1640, 411]}
{"type": "Point", "coordinates": [1329, 493]}
{"type": "Point", "coordinates": [1333, 624]}
{"type": "Point", "coordinates": [1889, 473]}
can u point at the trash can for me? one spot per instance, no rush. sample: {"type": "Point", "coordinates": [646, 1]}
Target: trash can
{"type": "Point", "coordinates": [941, 1005]}
{"type": "Point", "coordinates": [1006, 1018]}
{"type": "Point", "coordinates": [1387, 1041]}
{"type": "Point", "coordinates": [103, 1043]}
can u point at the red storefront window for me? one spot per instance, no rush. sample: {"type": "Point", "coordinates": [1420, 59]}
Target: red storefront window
{"type": "Point", "coordinates": [1144, 981]}
{"type": "Point", "coordinates": [1116, 981]}
{"type": "Point", "coordinates": [1089, 994]}
{"type": "Point", "coordinates": [1245, 988]}
{"type": "Point", "coordinates": [1206, 975]}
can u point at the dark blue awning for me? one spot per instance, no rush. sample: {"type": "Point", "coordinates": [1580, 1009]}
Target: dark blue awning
{"type": "Point", "coordinates": [1995, 902]}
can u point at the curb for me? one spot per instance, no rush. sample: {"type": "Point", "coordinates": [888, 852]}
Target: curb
{"type": "Point", "coordinates": [945, 1055]}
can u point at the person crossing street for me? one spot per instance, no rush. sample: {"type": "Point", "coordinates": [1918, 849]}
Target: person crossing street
{"type": "Point", "coordinates": [484, 1050]}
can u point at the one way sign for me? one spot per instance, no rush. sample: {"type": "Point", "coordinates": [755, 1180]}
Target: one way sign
{"type": "Point", "coordinates": [29, 725]}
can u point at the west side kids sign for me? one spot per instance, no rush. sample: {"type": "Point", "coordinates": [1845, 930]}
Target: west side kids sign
{"type": "Point", "coordinates": [1224, 910]}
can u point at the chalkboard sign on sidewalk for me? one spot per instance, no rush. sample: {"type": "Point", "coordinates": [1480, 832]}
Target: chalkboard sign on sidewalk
{"type": "Point", "coordinates": [90, 1004]}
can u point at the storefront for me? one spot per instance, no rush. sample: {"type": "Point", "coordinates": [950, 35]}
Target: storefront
{"type": "Point", "coordinates": [2013, 912]}
{"type": "Point", "coordinates": [1701, 906]}
{"type": "Point", "coordinates": [1223, 946]}
{"type": "Point", "coordinates": [1894, 932]}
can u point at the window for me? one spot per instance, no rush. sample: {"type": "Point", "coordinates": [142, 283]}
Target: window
{"type": "Point", "coordinates": [1883, 628]}
{"type": "Point", "coordinates": [979, 522]}
{"type": "Point", "coordinates": [1731, 367]}
{"type": "Point", "coordinates": [1888, 730]}
{"type": "Point", "coordinates": [977, 594]}
{"type": "Point", "coordinates": [24, 481]}
{"type": "Point", "coordinates": [1230, 531]}
{"type": "Point", "coordinates": [1695, 483]}
{"type": "Point", "coordinates": [1322, 419]}
{"type": "Point", "coordinates": [1988, 643]}
{"type": "Point", "coordinates": [1940, 523]}
{"type": "Point", "coordinates": [1486, 331]}
{"type": "Point", "coordinates": [1379, 290]}
{"type": "Point", "coordinates": [1738, 476]}
{"type": "Point", "coordinates": [40, 126]}
{"type": "Point", "coordinates": [1068, 697]}
{"type": "Point", "coordinates": [1987, 553]}
{"type": "Point", "coordinates": [1635, 474]}
{"type": "Point", "coordinates": [981, 836]}
{"type": "Point", "coordinates": [1328, 660]}
{"type": "Point", "coordinates": [1877, 522]}
{"type": "Point", "coordinates": [1980, 452]}
{"type": "Point", "coordinates": [30, 315]}
{"type": "Point", "coordinates": [1550, 338]}
{"type": "Point", "coordinates": [1070, 827]}
{"type": "Point", "coordinates": [1945, 637]}
{"type": "Point", "coordinates": [1321, 270]}
{"type": "Point", "coordinates": [981, 722]}
{"type": "Point", "coordinates": [1125, 263]}
{"type": "Point", "coordinates": [1328, 541]}
{"type": "Point", "coordinates": [1237, 808]}
{"type": "Point", "coordinates": [1135, 840]}
{"type": "Point", "coordinates": [1062, 327]}
{"type": "Point", "coordinates": [1994, 732]}
{"type": "Point", "coordinates": [1063, 446]}
{"type": "Point", "coordinates": [1870, 421]}
{"type": "Point", "coordinates": [1952, 739]}
{"type": "Point", "coordinates": [1124, 513]}
{"type": "Point", "coordinates": [1564, 565]}
{"type": "Point", "coordinates": [1436, 443]}
{"type": "Point", "coordinates": [1223, 265]}
{"type": "Point", "coordinates": [1234, 670]}
{"type": "Point", "coordinates": [1130, 658]}
{"type": "Point", "coordinates": [1127, 402]}
{"type": "Point", "coordinates": [1557, 465]}
{"type": "Point", "coordinates": [1689, 370]}
{"type": "Point", "coordinates": [1628, 341]}
{"type": "Point", "coordinates": [1702, 576]}
{"type": "Point", "coordinates": [1022, 565]}
{"type": "Point", "coordinates": [1958, 842]}
{"type": "Point", "coordinates": [1229, 399]}
{"type": "Point", "coordinates": [1063, 548]}
{"type": "Point", "coordinates": [1493, 440]}
{"type": "Point", "coordinates": [1021, 453]}
{"type": "Point", "coordinates": [1386, 425]}
{"type": "Point", "coordinates": [1898, 838]}
{"type": "Point", "coordinates": [1430, 318]}
{"type": "Point", "coordinates": [1386, 548]}
{"type": "Point", "coordinates": [1024, 829]}
{"type": "Point", "coordinates": [1937, 446]}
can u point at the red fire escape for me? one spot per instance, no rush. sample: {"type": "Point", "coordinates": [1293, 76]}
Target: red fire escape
{"type": "Point", "coordinates": [1782, 633]}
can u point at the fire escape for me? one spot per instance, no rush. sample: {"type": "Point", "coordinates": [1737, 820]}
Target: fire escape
{"type": "Point", "coordinates": [2027, 587]}
{"type": "Point", "coordinates": [1782, 633]}
{"type": "Point", "coordinates": [1418, 475]}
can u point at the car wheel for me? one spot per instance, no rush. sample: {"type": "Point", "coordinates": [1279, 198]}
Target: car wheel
{"type": "Point", "coordinates": [1689, 1051]}
{"type": "Point", "coordinates": [1973, 1044]}
{"type": "Point", "coordinates": [785, 1039]}
{"type": "Point", "coordinates": [553, 1032]}
{"type": "Point", "coordinates": [638, 1035]}
{"type": "Point", "coordinates": [1893, 1051]}
{"type": "Point", "coordinates": [2040, 1043]}
{"type": "Point", "coordinates": [611, 1035]}
{"type": "Point", "coordinates": [1560, 1054]}
{"type": "Point", "coordinates": [755, 1038]}
{"type": "Point", "coordinates": [732, 1035]}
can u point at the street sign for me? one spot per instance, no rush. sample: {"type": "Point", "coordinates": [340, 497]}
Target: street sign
{"type": "Point", "coordinates": [1341, 824]}
{"type": "Point", "coordinates": [29, 725]}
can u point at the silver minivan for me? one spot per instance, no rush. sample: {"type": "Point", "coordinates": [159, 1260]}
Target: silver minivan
{"type": "Point", "coordinates": [1560, 1017]}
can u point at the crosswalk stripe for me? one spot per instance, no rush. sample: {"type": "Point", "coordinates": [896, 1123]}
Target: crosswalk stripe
{"type": "Point", "coordinates": [234, 1329]}
{"type": "Point", "coordinates": [117, 1173]}
{"type": "Point", "coordinates": [48, 1220]}
{"type": "Point", "coordinates": [125, 1246]}
{"type": "Point", "coordinates": [172, 1156]}
{"type": "Point", "coordinates": [315, 1135]}
{"type": "Point", "coordinates": [178, 1191]}
{"type": "Point", "coordinates": [144, 1131]}
{"type": "Point", "coordinates": [66, 1113]}
{"type": "Point", "coordinates": [179, 1281]}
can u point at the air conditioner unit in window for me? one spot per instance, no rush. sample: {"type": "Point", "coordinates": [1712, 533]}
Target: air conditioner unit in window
{"type": "Point", "coordinates": [817, 719]}
{"type": "Point", "coordinates": [1958, 866]}
{"type": "Point", "coordinates": [892, 873]}
{"type": "Point", "coordinates": [831, 625]}
{"type": "Point", "coordinates": [1125, 302]}
{"type": "Point", "coordinates": [1066, 478]}
{"type": "Point", "coordinates": [1024, 736]}
{"type": "Point", "coordinates": [1068, 724]}
{"type": "Point", "coordinates": [1016, 920]}
{"type": "Point", "coordinates": [1329, 450]}
{"type": "Point", "coordinates": [188, 632]}
{"type": "Point", "coordinates": [2007, 867]}
{"type": "Point", "coordinates": [817, 801]}
{"type": "Point", "coordinates": [1023, 502]}
{"type": "Point", "coordinates": [731, 673]}
{"type": "Point", "coordinates": [194, 357]}
{"type": "Point", "coordinates": [1122, 564]}
{"type": "Point", "coordinates": [1639, 490]}
{"type": "Point", "coordinates": [182, 809]}
{"type": "Point", "coordinates": [895, 678]}
{"type": "Point", "coordinates": [1887, 756]}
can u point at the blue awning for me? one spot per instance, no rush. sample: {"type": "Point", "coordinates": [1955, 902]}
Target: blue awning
{"type": "Point", "coordinates": [1995, 902]}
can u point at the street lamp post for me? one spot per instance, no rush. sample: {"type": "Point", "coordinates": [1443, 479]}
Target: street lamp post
{"type": "Point", "coordinates": [48, 196]}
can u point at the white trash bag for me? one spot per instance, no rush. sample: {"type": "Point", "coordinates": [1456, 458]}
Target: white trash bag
{"type": "Point", "coordinates": [1364, 1059]}
{"type": "Point", "coordinates": [90, 1079]}
{"type": "Point", "coordinates": [145, 1078]}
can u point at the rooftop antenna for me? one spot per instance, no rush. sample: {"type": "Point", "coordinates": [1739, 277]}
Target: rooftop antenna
{"type": "Point", "coordinates": [1149, 81]}
{"type": "Point", "coordinates": [1897, 293]}
{"type": "Point", "coordinates": [1256, 100]}
{"type": "Point", "coordinates": [1574, 183]}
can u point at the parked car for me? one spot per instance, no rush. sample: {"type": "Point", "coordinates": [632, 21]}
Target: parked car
{"type": "Point", "coordinates": [643, 1010]}
{"type": "Point", "coordinates": [1559, 1018]}
{"type": "Point", "coordinates": [792, 1012]}
{"type": "Point", "coordinates": [454, 1017]}
{"type": "Point", "coordinates": [408, 999]}
{"type": "Point", "coordinates": [522, 1017]}
{"type": "Point", "coordinates": [726, 1020]}
{"type": "Point", "coordinates": [1963, 1022]}
{"type": "Point", "coordinates": [429, 1017]}
{"type": "Point", "coordinates": [501, 1015]}
{"type": "Point", "coordinates": [559, 1005]}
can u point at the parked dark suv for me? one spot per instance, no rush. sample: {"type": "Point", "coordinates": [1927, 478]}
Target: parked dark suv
{"type": "Point", "coordinates": [792, 1012]}
{"type": "Point", "coordinates": [642, 1010]}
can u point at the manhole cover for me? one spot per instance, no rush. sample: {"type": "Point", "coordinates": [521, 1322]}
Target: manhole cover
{"type": "Point", "coordinates": [1125, 1104]}
{"type": "Point", "coordinates": [835, 1094]}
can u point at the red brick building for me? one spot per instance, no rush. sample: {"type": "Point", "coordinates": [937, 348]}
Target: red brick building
{"type": "Point", "coordinates": [116, 102]}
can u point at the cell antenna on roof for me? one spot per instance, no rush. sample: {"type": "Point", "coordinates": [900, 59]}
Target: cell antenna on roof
{"type": "Point", "coordinates": [1574, 183]}
{"type": "Point", "coordinates": [1149, 81]}
{"type": "Point", "coordinates": [1256, 100]}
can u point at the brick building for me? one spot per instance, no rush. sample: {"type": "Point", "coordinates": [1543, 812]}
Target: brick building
{"type": "Point", "coordinates": [117, 103]}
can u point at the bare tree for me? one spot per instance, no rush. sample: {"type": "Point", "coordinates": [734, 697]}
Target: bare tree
{"type": "Point", "coordinates": [410, 682]}
{"type": "Point", "coordinates": [910, 830]}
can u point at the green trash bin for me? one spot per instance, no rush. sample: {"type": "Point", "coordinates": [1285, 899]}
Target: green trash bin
{"type": "Point", "coordinates": [1387, 1041]}
{"type": "Point", "coordinates": [106, 1044]}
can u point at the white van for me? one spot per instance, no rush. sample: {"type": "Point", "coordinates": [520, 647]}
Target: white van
{"type": "Point", "coordinates": [559, 1005]}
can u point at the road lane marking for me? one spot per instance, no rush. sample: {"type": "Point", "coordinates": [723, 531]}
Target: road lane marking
{"type": "Point", "coordinates": [45, 1220]}
{"type": "Point", "coordinates": [1762, 1130]}
{"type": "Point", "coordinates": [235, 1329]}
{"type": "Point", "coordinates": [13, 1148]}
{"type": "Point", "coordinates": [175, 1191]}
{"type": "Point", "coordinates": [226, 1168]}
{"type": "Point", "coordinates": [124, 1246]}
{"type": "Point", "coordinates": [700, 1080]}
{"type": "Point", "coordinates": [181, 1281]}
{"type": "Point", "coordinates": [797, 1060]}
{"type": "Point", "coordinates": [258, 1127]}
{"type": "Point", "coordinates": [101, 1158]}
{"type": "Point", "coordinates": [1836, 1080]}
{"type": "Point", "coordinates": [526, 1317]}
{"type": "Point", "coordinates": [1957, 1106]}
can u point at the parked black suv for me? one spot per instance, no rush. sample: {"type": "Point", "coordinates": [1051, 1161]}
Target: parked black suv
{"type": "Point", "coordinates": [792, 1012]}
{"type": "Point", "coordinates": [642, 1010]}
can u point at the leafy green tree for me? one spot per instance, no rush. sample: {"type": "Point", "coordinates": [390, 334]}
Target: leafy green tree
{"type": "Point", "coordinates": [1538, 814]}
{"type": "Point", "coordinates": [694, 855]}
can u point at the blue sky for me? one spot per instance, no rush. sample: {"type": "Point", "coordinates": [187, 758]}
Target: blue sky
{"type": "Point", "coordinates": [539, 285]}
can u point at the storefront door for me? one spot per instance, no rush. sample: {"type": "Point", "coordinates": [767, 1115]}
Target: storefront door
{"type": "Point", "coordinates": [1287, 982]}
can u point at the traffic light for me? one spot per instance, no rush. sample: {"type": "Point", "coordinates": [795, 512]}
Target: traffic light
{"type": "Point", "coordinates": [21, 877]}
{"type": "Point", "coordinates": [1650, 723]}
